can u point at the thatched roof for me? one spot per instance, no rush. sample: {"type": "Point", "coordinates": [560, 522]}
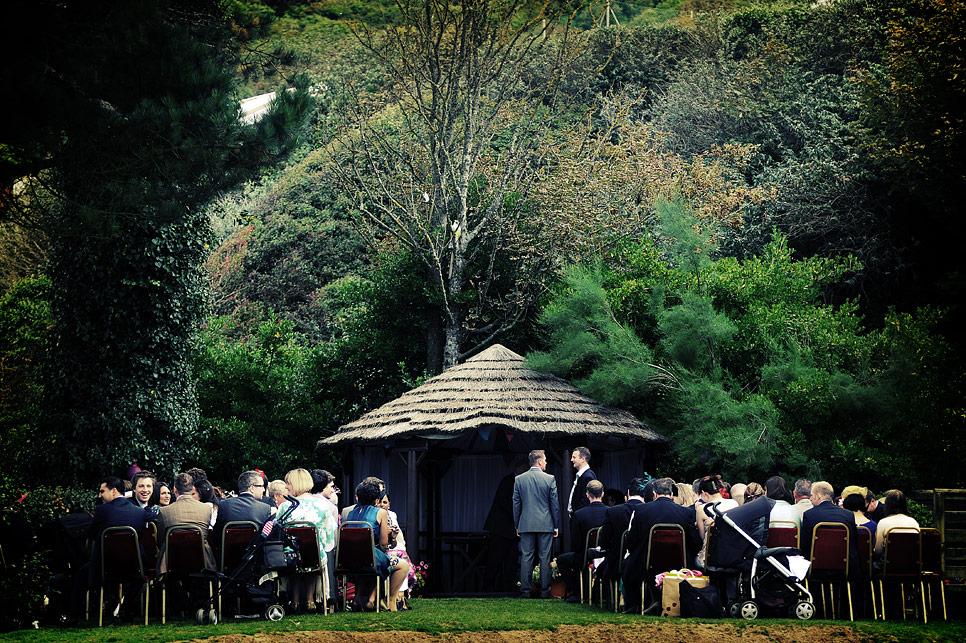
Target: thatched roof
{"type": "Point", "coordinates": [492, 389]}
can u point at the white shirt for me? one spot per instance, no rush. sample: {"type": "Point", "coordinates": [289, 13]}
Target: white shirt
{"type": "Point", "coordinates": [570, 501]}
{"type": "Point", "coordinates": [784, 511]}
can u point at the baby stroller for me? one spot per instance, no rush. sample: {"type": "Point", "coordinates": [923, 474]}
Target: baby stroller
{"type": "Point", "coordinates": [271, 554]}
{"type": "Point", "coordinates": [759, 577]}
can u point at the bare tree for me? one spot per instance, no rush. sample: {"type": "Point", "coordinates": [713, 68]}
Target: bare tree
{"type": "Point", "coordinates": [445, 162]}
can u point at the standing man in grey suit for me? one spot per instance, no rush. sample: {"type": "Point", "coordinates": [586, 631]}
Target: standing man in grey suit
{"type": "Point", "coordinates": [536, 514]}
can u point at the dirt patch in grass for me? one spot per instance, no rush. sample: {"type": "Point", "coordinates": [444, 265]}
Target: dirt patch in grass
{"type": "Point", "coordinates": [670, 632]}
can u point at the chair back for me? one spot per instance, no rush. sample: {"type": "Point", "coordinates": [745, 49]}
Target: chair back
{"type": "Point", "coordinates": [307, 536]}
{"type": "Point", "coordinates": [783, 533]}
{"type": "Point", "coordinates": [235, 538]}
{"type": "Point", "coordinates": [830, 548]}
{"type": "Point", "coordinates": [864, 545]}
{"type": "Point", "coordinates": [121, 554]}
{"type": "Point", "coordinates": [902, 553]}
{"type": "Point", "coordinates": [356, 551]}
{"type": "Point", "coordinates": [590, 542]}
{"type": "Point", "coordinates": [184, 547]}
{"type": "Point", "coordinates": [149, 543]}
{"type": "Point", "coordinates": [665, 549]}
{"type": "Point", "coordinates": [932, 550]}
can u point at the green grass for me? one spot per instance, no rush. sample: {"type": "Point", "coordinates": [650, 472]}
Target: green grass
{"type": "Point", "coordinates": [436, 616]}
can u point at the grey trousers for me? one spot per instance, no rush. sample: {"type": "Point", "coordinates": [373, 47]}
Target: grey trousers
{"type": "Point", "coordinates": [535, 547]}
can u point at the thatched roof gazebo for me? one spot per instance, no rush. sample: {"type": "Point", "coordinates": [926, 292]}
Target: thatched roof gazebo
{"type": "Point", "coordinates": [446, 444]}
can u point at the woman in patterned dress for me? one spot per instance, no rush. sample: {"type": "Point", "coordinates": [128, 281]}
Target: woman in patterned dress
{"type": "Point", "coordinates": [391, 566]}
{"type": "Point", "coordinates": [299, 483]}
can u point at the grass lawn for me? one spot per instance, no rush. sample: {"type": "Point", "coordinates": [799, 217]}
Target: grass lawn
{"type": "Point", "coordinates": [469, 615]}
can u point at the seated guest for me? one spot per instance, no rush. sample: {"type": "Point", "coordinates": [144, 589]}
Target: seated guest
{"type": "Point", "coordinates": [752, 491]}
{"type": "Point", "coordinates": [372, 479]}
{"type": "Point", "coordinates": [710, 491]}
{"type": "Point", "coordinates": [586, 518]}
{"type": "Point", "coordinates": [662, 510]}
{"type": "Point", "coordinates": [365, 510]}
{"type": "Point", "coordinates": [896, 515]}
{"type": "Point", "coordinates": [276, 492]}
{"type": "Point", "coordinates": [615, 524]}
{"type": "Point", "coordinates": [161, 496]}
{"type": "Point", "coordinates": [325, 491]}
{"type": "Point", "coordinates": [855, 502]}
{"type": "Point", "coordinates": [803, 496]}
{"type": "Point", "coordinates": [824, 510]}
{"type": "Point", "coordinates": [685, 495]}
{"type": "Point", "coordinates": [245, 506]}
{"type": "Point", "coordinates": [114, 511]}
{"type": "Point", "coordinates": [299, 484]}
{"type": "Point", "coordinates": [185, 510]}
{"type": "Point", "coordinates": [738, 492]}
{"type": "Point", "coordinates": [143, 486]}
{"type": "Point", "coordinates": [397, 547]}
{"type": "Point", "coordinates": [783, 510]}
{"type": "Point", "coordinates": [205, 493]}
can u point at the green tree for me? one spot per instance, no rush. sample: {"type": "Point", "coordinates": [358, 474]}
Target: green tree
{"type": "Point", "coordinates": [128, 126]}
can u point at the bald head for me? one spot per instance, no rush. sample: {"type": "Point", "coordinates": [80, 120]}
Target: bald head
{"type": "Point", "coordinates": [821, 491]}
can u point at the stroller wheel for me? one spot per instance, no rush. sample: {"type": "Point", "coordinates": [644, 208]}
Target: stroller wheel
{"type": "Point", "coordinates": [802, 611]}
{"type": "Point", "coordinates": [212, 617]}
{"type": "Point", "coordinates": [733, 609]}
{"type": "Point", "coordinates": [274, 613]}
{"type": "Point", "coordinates": [200, 616]}
{"type": "Point", "coordinates": [748, 610]}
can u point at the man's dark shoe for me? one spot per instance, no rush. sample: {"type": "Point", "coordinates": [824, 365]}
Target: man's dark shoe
{"type": "Point", "coordinates": [572, 599]}
{"type": "Point", "coordinates": [631, 610]}
{"type": "Point", "coordinates": [597, 553]}
{"type": "Point", "coordinates": [523, 595]}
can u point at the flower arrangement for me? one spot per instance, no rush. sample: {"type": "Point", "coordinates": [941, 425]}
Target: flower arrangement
{"type": "Point", "coordinates": [417, 577]}
{"type": "Point", "coordinates": [554, 572]}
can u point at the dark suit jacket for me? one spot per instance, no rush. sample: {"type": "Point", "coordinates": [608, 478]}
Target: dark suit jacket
{"type": "Point", "coordinates": [536, 508]}
{"type": "Point", "coordinates": [117, 513]}
{"type": "Point", "coordinates": [585, 519]}
{"type": "Point", "coordinates": [615, 523]}
{"type": "Point", "coordinates": [661, 510]}
{"type": "Point", "coordinates": [242, 507]}
{"type": "Point", "coordinates": [580, 491]}
{"type": "Point", "coordinates": [830, 512]}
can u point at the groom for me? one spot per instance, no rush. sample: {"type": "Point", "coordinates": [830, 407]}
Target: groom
{"type": "Point", "coordinates": [536, 515]}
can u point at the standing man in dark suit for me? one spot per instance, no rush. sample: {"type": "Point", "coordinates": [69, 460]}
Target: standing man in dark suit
{"type": "Point", "coordinates": [247, 505]}
{"type": "Point", "coordinates": [536, 515]}
{"type": "Point", "coordinates": [114, 511]}
{"type": "Point", "coordinates": [615, 524]}
{"type": "Point", "coordinates": [580, 458]}
{"type": "Point", "coordinates": [585, 519]}
{"type": "Point", "coordinates": [662, 510]}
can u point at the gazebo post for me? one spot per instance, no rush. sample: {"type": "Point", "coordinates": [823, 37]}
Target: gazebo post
{"type": "Point", "coordinates": [412, 504]}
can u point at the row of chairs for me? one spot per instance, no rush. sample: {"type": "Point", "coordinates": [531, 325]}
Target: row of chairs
{"type": "Point", "coordinates": [122, 563]}
{"type": "Point", "coordinates": [911, 556]}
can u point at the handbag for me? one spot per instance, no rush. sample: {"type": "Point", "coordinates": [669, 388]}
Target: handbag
{"type": "Point", "coordinates": [700, 602]}
{"type": "Point", "coordinates": [670, 584]}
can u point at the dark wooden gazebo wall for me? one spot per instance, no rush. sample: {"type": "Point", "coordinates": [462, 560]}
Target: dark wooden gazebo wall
{"type": "Point", "coordinates": [453, 485]}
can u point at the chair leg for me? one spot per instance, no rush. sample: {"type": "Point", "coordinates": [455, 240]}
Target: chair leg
{"type": "Point", "coordinates": [902, 599]}
{"type": "Point", "coordinates": [875, 616]}
{"type": "Point", "coordinates": [831, 591]}
{"type": "Point", "coordinates": [100, 609]}
{"type": "Point", "coordinates": [848, 593]}
{"type": "Point", "coordinates": [922, 591]}
{"type": "Point", "coordinates": [147, 599]}
{"type": "Point", "coordinates": [164, 601]}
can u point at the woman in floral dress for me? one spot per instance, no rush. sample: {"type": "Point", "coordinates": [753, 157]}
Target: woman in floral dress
{"type": "Point", "coordinates": [299, 483]}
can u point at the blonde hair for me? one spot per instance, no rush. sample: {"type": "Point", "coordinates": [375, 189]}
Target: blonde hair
{"type": "Point", "coordinates": [276, 488]}
{"type": "Point", "coordinates": [300, 480]}
{"type": "Point", "coordinates": [685, 495]}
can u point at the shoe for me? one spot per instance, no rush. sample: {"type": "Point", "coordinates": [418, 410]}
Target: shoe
{"type": "Point", "coordinates": [653, 609]}
{"type": "Point", "coordinates": [523, 595]}
{"type": "Point", "coordinates": [572, 599]}
{"type": "Point", "coordinates": [310, 608]}
{"type": "Point", "coordinates": [597, 553]}
{"type": "Point", "coordinates": [631, 610]}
